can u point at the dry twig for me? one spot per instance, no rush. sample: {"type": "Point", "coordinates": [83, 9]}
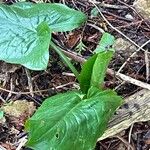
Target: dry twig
{"type": "Point", "coordinates": [114, 28]}
{"type": "Point", "coordinates": [125, 142]}
{"type": "Point", "coordinates": [112, 6]}
{"type": "Point", "coordinates": [11, 89]}
{"type": "Point", "coordinates": [38, 91]}
{"type": "Point", "coordinates": [29, 82]}
{"type": "Point", "coordinates": [133, 55]}
{"type": "Point", "coordinates": [22, 143]}
{"type": "Point", "coordinates": [129, 137]}
{"type": "Point", "coordinates": [2, 148]}
{"type": "Point", "coordinates": [129, 79]}
{"type": "Point", "coordinates": [147, 63]}
{"type": "Point", "coordinates": [112, 73]}
{"type": "Point", "coordinates": [96, 27]}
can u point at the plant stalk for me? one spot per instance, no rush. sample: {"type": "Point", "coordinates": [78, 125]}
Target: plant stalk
{"type": "Point", "coordinates": [65, 59]}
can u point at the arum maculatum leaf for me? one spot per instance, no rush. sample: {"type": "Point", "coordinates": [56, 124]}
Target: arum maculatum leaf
{"type": "Point", "coordinates": [25, 31]}
{"type": "Point", "coordinates": [75, 119]}
{"type": "Point", "coordinates": [105, 43]}
{"type": "Point", "coordinates": [68, 121]}
{"type": "Point", "coordinates": [94, 69]}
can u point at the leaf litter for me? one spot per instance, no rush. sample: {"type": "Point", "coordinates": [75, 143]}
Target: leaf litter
{"type": "Point", "coordinates": [138, 31]}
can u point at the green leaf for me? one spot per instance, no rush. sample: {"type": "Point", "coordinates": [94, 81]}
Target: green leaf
{"type": "Point", "coordinates": [94, 70]}
{"type": "Point", "coordinates": [95, 92]}
{"type": "Point", "coordinates": [25, 31]}
{"type": "Point", "coordinates": [25, 46]}
{"type": "Point", "coordinates": [59, 17]}
{"type": "Point", "coordinates": [66, 121]}
{"type": "Point", "coordinates": [1, 114]}
{"type": "Point", "coordinates": [86, 73]}
{"type": "Point", "coordinates": [94, 12]}
{"type": "Point", "coordinates": [99, 68]}
{"type": "Point", "coordinates": [23, 5]}
{"type": "Point", "coordinates": [105, 43]}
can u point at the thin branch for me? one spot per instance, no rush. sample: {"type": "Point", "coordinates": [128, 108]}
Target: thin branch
{"type": "Point", "coordinates": [96, 27]}
{"type": "Point", "coordinates": [112, 73]}
{"type": "Point", "coordinates": [125, 142]}
{"type": "Point", "coordinates": [129, 79]}
{"type": "Point", "coordinates": [133, 55]}
{"type": "Point", "coordinates": [22, 143]}
{"type": "Point", "coordinates": [147, 62]}
{"type": "Point", "coordinates": [29, 81]}
{"type": "Point", "coordinates": [112, 6]}
{"type": "Point", "coordinates": [38, 91]}
{"type": "Point", "coordinates": [11, 89]}
{"type": "Point", "coordinates": [129, 137]}
{"type": "Point", "coordinates": [2, 148]}
{"type": "Point", "coordinates": [114, 28]}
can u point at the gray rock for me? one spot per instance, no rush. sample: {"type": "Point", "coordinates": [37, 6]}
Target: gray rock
{"type": "Point", "coordinates": [124, 47]}
{"type": "Point", "coordinates": [143, 7]}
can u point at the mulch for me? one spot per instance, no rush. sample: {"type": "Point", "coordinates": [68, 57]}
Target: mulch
{"type": "Point", "coordinates": [124, 19]}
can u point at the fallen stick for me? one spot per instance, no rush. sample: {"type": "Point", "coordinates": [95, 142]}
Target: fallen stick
{"type": "Point", "coordinates": [135, 109]}
{"type": "Point", "coordinates": [128, 79]}
{"type": "Point", "coordinates": [110, 71]}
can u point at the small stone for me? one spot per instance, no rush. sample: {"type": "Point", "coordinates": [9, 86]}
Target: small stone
{"type": "Point", "coordinates": [124, 47]}
{"type": "Point", "coordinates": [129, 16]}
{"type": "Point", "coordinates": [143, 7]}
{"type": "Point", "coordinates": [121, 146]}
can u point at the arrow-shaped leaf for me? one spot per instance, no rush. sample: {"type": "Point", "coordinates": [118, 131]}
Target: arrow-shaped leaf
{"type": "Point", "coordinates": [25, 31]}
{"type": "Point", "coordinates": [67, 121]}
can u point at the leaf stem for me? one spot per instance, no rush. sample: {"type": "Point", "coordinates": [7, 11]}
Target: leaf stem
{"type": "Point", "coordinates": [64, 58]}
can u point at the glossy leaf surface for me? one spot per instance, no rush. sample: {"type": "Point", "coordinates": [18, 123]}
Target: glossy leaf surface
{"type": "Point", "coordinates": [68, 121]}
{"type": "Point", "coordinates": [25, 31]}
{"type": "Point", "coordinates": [105, 43]}
{"type": "Point", "coordinates": [94, 70]}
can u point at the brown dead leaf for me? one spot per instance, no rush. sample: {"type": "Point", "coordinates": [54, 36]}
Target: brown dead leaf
{"type": "Point", "coordinates": [72, 39]}
{"type": "Point", "coordinates": [7, 146]}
